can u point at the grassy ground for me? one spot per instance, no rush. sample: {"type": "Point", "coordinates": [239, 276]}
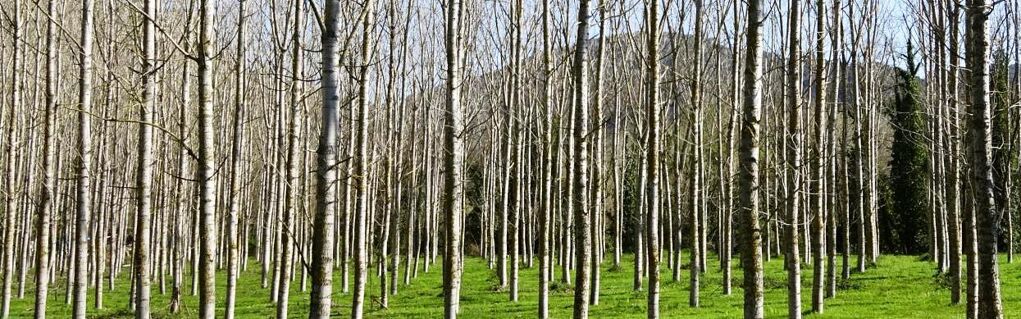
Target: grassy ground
{"type": "Point", "coordinates": [900, 287]}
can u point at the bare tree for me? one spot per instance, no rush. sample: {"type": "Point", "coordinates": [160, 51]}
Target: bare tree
{"type": "Point", "coordinates": [546, 200]}
{"type": "Point", "coordinates": [793, 197]}
{"type": "Point", "coordinates": [143, 233]}
{"type": "Point", "coordinates": [514, 142]}
{"type": "Point", "coordinates": [986, 217]}
{"type": "Point", "coordinates": [818, 174]}
{"type": "Point", "coordinates": [10, 218]}
{"type": "Point", "coordinates": [235, 157]}
{"type": "Point", "coordinates": [579, 167]}
{"type": "Point", "coordinates": [953, 176]}
{"type": "Point", "coordinates": [748, 178]}
{"type": "Point", "coordinates": [291, 184]}
{"type": "Point", "coordinates": [452, 200]}
{"type": "Point", "coordinates": [81, 254]}
{"type": "Point", "coordinates": [206, 159]}
{"type": "Point", "coordinates": [360, 245]}
{"type": "Point", "coordinates": [698, 202]}
{"type": "Point", "coordinates": [652, 152]}
{"type": "Point", "coordinates": [326, 173]}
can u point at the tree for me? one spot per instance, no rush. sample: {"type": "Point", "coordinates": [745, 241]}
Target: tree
{"type": "Point", "coordinates": [986, 216]}
{"type": "Point", "coordinates": [514, 141]}
{"type": "Point", "coordinates": [652, 152]}
{"type": "Point", "coordinates": [326, 173]}
{"type": "Point", "coordinates": [235, 175]}
{"type": "Point", "coordinates": [143, 237]}
{"type": "Point", "coordinates": [291, 164]}
{"type": "Point", "coordinates": [953, 176]}
{"type": "Point", "coordinates": [698, 203]}
{"type": "Point", "coordinates": [9, 201]}
{"type": "Point", "coordinates": [596, 198]}
{"type": "Point", "coordinates": [82, 225]}
{"type": "Point", "coordinates": [452, 200]}
{"type": "Point", "coordinates": [819, 167]}
{"type": "Point", "coordinates": [360, 172]}
{"type": "Point", "coordinates": [839, 199]}
{"type": "Point", "coordinates": [909, 165]}
{"type": "Point", "coordinates": [206, 159]}
{"type": "Point", "coordinates": [728, 243]}
{"type": "Point", "coordinates": [546, 209]}
{"type": "Point", "coordinates": [579, 166]}
{"type": "Point", "coordinates": [748, 178]}
{"type": "Point", "coordinates": [793, 100]}
{"type": "Point", "coordinates": [857, 188]}
{"type": "Point", "coordinates": [1003, 158]}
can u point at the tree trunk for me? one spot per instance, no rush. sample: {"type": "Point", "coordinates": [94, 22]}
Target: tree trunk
{"type": "Point", "coordinates": [596, 149]}
{"type": "Point", "coordinates": [652, 152]}
{"type": "Point", "coordinates": [953, 175]}
{"type": "Point", "coordinates": [452, 200]}
{"type": "Point", "coordinates": [326, 174]}
{"type": "Point", "coordinates": [288, 236]}
{"type": "Point", "coordinates": [748, 179]}
{"type": "Point", "coordinates": [698, 203]}
{"type": "Point", "coordinates": [10, 217]}
{"type": "Point", "coordinates": [516, 164]}
{"type": "Point", "coordinates": [986, 218]}
{"type": "Point", "coordinates": [818, 174]}
{"type": "Point", "coordinates": [792, 258]}
{"type": "Point", "coordinates": [84, 207]}
{"type": "Point", "coordinates": [360, 172]}
{"type": "Point", "coordinates": [546, 208]}
{"type": "Point", "coordinates": [579, 166]}
{"type": "Point", "coordinates": [207, 158]}
{"type": "Point", "coordinates": [837, 200]}
{"type": "Point", "coordinates": [235, 157]}
{"type": "Point", "coordinates": [142, 264]}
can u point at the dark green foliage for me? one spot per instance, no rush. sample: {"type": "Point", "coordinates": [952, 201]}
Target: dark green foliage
{"type": "Point", "coordinates": [891, 222]}
{"type": "Point", "coordinates": [909, 165]}
{"type": "Point", "coordinates": [943, 280]}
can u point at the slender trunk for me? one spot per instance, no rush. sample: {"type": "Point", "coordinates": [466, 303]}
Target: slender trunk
{"type": "Point", "coordinates": [953, 175]}
{"type": "Point", "coordinates": [452, 199]}
{"type": "Point", "coordinates": [837, 199]}
{"type": "Point", "coordinates": [546, 209]}
{"type": "Point", "coordinates": [793, 197]}
{"type": "Point", "coordinates": [698, 203]}
{"type": "Point", "coordinates": [986, 218]}
{"type": "Point", "coordinates": [818, 174]}
{"type": "Point", "coordinates": [579, 165]}
{"type": "Point", "coordinates": [10, 217]}
{"type": "Point", "coordinates": [516, 163]}
{"type": "Point", "coordinates": [652, 152]}
{"type": "Point", "coordinates": [288, 236]}
{"type": "Point", "coordinates": [235, 157]}
{"type": "Point", "coordinates": [596, 149]}
{"type": "Point", "coordinates": [142, 265]}
{"type": "Point", "coordinates": [734, 113]}
{"type": "Point", "coordinates": [326, 173]}
{"type": "Point", "coordinates": [748, 199]}
{"type": "Point", "coordinates": [207, 186]}
{"type": "Point", "coordinates": [360, 245]}
{"type": "Point", "coordinates": [82, 225]}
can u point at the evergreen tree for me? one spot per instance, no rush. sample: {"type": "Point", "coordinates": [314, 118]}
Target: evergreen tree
{"type": "Point", "coordinates": [909, 161]}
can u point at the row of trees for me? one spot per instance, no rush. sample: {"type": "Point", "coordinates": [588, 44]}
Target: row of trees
{"type": "Point", "coordinates": [272, 134]}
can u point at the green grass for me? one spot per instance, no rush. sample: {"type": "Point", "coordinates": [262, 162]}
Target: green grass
{"type": "Point", "coordinates": [899, 287]}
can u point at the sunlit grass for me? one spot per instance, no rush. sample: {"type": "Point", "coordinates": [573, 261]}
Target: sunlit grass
{"type": "Point", "coordinates": [900, 287]}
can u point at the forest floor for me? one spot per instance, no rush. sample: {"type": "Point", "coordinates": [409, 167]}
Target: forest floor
{"type": "Point", "coordinates": [899, 287]}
